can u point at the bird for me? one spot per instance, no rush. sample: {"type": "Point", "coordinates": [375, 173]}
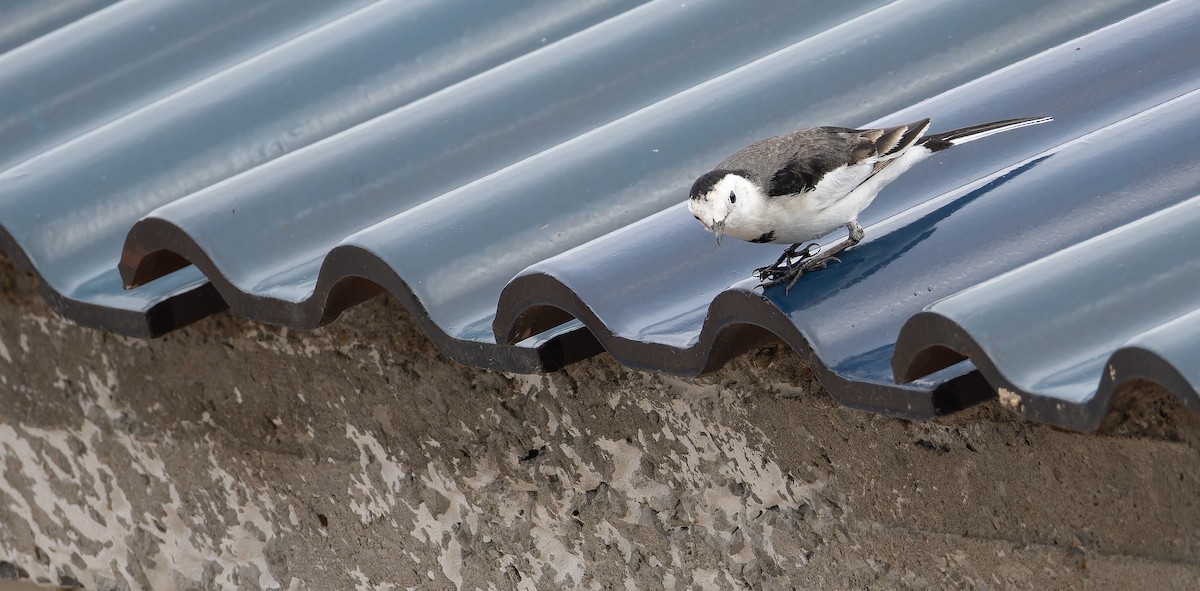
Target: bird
{"type": "Point", "coordinates": [799, 186]}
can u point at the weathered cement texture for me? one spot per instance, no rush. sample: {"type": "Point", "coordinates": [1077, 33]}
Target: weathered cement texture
{"type": "Point", "coordinates": [237, 455]}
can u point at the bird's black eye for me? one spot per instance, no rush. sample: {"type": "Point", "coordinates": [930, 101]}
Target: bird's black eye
{"type": "Point", "coordinates": [733, 197]}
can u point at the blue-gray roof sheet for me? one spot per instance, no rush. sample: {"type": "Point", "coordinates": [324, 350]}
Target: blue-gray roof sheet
{"type": "Point", "coordinates": [307, 155]}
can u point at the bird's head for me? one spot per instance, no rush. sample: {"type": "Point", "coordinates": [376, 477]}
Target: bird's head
{"type": "Point", "coordinates": [718, 197]}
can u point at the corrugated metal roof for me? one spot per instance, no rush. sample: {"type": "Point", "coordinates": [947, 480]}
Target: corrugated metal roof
{"type": "Point", "coordinates": [26, 20]}
{"type": "Point", "coordinates": [303, 163]}
{"type": "Point", "coordinates": [1058, 335]}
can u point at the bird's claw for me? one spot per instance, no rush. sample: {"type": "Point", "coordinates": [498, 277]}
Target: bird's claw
{"type": "Point", "coordinates": [821, 263]}
{"type": "Point", "coordinates": [791, 274]}
{"type": "Point", "coordinates": [774, 270]}
{"type": "Point", "coordinates": [769, 272]}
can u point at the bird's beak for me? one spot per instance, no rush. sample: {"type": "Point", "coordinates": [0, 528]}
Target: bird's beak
{"type": "Point", "coordinates": [717, 229]}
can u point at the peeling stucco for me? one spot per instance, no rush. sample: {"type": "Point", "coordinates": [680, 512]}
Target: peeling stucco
{"type": "Point", "coordinates": [232, 455]}
{"type": "Point", "coordinates": [85, 494]}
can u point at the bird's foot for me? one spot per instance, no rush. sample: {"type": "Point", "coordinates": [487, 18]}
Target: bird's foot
{"type": "Point", "coordinates": [769, 272]}
{"type": "Point", "coordinates": [775, 270]}
{"type": "Point", "coordinates": [808, 261]}
{"type": "Point", "coordinates": [791, 274]}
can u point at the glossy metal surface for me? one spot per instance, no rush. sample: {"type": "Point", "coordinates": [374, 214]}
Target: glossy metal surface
{"type": "Point", "coordinates": [933, 233]}
{"type": "Point", "coordinates": [26, 20]}
{"type": "Point", "coordinates": [593, 140]}
{"type": "Point", "coordinates": [232, 87]}
{"type": "Point", "coordinates": [116, 60]}
{"type": "Point", "coordinates": [1060, 334]}
{"type": "Point", "coordinates": [433, 153]}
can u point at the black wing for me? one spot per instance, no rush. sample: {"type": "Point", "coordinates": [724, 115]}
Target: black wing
{"type": "Point", "coordinates": [798, 176]}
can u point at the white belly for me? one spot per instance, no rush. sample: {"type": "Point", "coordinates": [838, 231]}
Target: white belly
{"type": "Point", "coordinates": [836, 201]}
{"type": "Point", "coordinates": [799, 221]}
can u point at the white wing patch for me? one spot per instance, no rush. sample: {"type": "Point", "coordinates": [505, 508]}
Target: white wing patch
{"type": "Point", "coordinates": [839, 182]}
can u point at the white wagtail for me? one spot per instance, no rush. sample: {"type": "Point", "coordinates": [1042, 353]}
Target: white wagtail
{"type": "Point", "coordinates": [802, 185]}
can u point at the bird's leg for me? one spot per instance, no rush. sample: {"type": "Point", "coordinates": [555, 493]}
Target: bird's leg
{"type": "Point", "coordinates": [774, 269]}
{"type": "Point", "coordinates": [856, 236]}
{"type": "Point", "coordinates": [811, 263]}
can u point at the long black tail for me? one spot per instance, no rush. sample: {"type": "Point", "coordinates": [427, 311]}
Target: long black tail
{"type": "Point", "coordinates": [954, 137]}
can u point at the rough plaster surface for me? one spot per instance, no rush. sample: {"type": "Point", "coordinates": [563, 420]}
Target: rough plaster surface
{"type": "Point", "coordinates": [237, 455]}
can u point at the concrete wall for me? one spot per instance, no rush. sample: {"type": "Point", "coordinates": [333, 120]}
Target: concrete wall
{"type": "Point", "coordinates": [237, 455]}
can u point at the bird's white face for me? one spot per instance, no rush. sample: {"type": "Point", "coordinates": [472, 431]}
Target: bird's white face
{"type": "Point", "coordinates": [720, 209]}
